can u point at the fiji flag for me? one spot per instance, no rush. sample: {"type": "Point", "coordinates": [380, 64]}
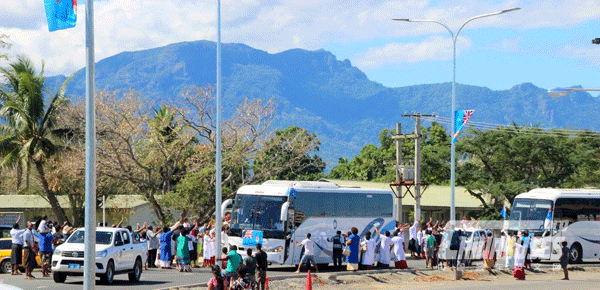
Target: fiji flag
{"type": "Point", "coordinates": [292, 192]}
{"type": "Point", "coordinates": [503, 212]}
{"type": "Point", "coordinates": [460, 120]}
{"type": "Point", "coordinates": [548, 221]}
{"type": "Point", "coordinates": [61, 14]}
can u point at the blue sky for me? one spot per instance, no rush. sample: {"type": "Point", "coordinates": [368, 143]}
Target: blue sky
{"type": "Point", "coordinates": [547, 43]}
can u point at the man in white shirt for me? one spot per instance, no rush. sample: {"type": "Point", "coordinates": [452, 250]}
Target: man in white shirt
{"type": "Point", "coordinates": [29, 257]}
{"type": "Point", "coordinates": [419, 244]}
{"type": "Point", "coordinates": [309, 253]}
{"type": "Point", "coordinates": [153, 245]}
{"type": "Point", "coordinates": [385, 244]}
{"type": "Point", "coordinates": [16, 254]}
{"type": "Point", "coordinates": [400, 257]}
{"type": "Point", "coordinates": [412, 239]}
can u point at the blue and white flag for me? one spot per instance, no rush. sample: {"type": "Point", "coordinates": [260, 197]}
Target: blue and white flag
{"type": "Point", "coordinates": [461, 118]}
{"type": "Point", "coordinates": [61, 14]}
{"type": "Point", "coordinates": [503, 212]}
{"type": "Point", "coordinates": [291, 192]}
{"type": "Point", "coordinates": [548, 221]}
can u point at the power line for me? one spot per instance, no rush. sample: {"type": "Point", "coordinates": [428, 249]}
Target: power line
{"type": "Point", "coordinates": [538, 131]}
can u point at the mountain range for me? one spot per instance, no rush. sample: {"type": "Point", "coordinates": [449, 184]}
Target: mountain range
{"type": "Point", "coordinates": [327, 96]}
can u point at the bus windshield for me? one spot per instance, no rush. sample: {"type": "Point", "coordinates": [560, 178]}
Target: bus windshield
{"type": "Point", "coordinates": [257, 212]}
{"type": "Point", "coordinates": [529, 214]}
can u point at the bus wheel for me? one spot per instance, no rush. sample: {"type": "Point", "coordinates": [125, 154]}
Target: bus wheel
{"type": "Point", "coordinates": [576, 254]}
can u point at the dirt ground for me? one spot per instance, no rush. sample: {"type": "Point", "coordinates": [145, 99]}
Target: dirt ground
{"type": "Point", "coordinates": [419, 280]}
{"type": "Point", "coordinates": [416, 279]}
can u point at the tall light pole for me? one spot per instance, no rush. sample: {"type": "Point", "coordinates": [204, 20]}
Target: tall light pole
{"type": "Point", "coordinates": [89, 244]}
{"type": "Point", "coordinates": [453, 145]}
{"type": "Point", "coordinates": [557, 92]}
{"type": "Point", "coordinates": [218, 137]}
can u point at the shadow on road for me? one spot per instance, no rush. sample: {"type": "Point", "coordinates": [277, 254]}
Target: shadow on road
{"type": "Point", "coordinates": [122, 283]}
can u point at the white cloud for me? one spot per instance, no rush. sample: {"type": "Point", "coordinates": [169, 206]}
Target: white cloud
{"type": "Point", "coordinates": [508, 44]}
{"type": "Point", "coordinates": [269, 25]}
{"type": "Point", "coordinates": [589, 54]}
{"type": "Point", "coordinates": [433, 48]}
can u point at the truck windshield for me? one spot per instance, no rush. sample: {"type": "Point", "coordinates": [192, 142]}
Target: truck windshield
{"type": "Point", "coordinates": [257, 212]}
{"type": "Point", "coordinates": [102, 238]}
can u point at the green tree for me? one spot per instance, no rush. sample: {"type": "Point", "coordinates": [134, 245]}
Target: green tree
{"type": "Point", "coordinates": [28, 134]}
{"type": "Point", "coordinates": [377, 163]}
{"type": "Point", "coordinates": [287, 156]}
{"type": "Point", "coordinates": [499, 164]}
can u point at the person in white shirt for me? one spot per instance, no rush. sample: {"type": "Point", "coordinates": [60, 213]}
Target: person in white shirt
{"type": "Point", "coordinates": [16, 255]}
{"type": "Point", "coordinates": [412, 239]}
{"type": "Point", "coordinates": [28, 247]}
{"type": "Point", "coordinates": [399, 256]}
{"type": "Point", "coordinates": [309, 253]}
{"type": "Point", "coordinates": [419, 243]}
{"type": "Point", "coordinates": [368, 258]}
{"type": "Point", "coordinates": [153, 245]}
{"type": "Point", "coordinates": [43, 227]}
{"type": "Point", "coordinates": [385, 244]}
{"type": "Point", "coordinates": [224, 237]}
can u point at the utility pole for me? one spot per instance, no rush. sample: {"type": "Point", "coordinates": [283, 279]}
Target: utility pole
{"type": "Point", "coordinates": [417, 136]}
{"type": "Point", "coordinates": [398, 196]}
{"type": "Point", "coordinates": [418, 167]}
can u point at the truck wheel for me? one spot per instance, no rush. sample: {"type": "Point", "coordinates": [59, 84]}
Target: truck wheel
{"type": "Point", "coordinates": [137, 271]}
{"type": "Point", "coordinates": [109, 276]}
{"type": "Point", "coordinates": [59, 277]}
{"type": "Point", "coordinates": [6, 266]}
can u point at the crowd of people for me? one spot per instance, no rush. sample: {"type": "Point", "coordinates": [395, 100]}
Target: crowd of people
{"type": "Point", "coordinates": [39, 237]}
{"type": "Point", "coordinates": [437, 243]}
{"type": "Point", "coordinates": [190, 245]}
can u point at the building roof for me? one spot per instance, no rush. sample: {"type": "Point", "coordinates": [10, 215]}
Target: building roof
{"type": "Point", "coordinates": [433, 196]}
{"type": "Point", "coordinates": [38, 202]}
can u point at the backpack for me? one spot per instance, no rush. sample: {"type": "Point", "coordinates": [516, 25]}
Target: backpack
{"type": "Point", "coordinates": [337, 242]}
{"type": "Point", "coordinates": [455, 241]}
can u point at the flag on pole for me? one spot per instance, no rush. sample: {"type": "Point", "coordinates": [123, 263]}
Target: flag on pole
{"type": "Point", "coordinates": [503, 212]}
{"type": "Point", "coordinates": [61, 14]}
{"type": "Point", "coordinates": [460, 120]}
{"type": "Point", "coordinates": [548, 221]}
{"type": "Point", "coordinates": [292, 192]}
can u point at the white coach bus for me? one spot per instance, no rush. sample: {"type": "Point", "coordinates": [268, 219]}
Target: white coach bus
{"type": "Point", "coordinates": [574, 217]}
{"type": "Point", "coordinates": [280, 213]}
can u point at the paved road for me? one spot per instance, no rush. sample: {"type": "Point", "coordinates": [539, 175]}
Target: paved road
{"type": "Point", "coordinates": [151, 279]}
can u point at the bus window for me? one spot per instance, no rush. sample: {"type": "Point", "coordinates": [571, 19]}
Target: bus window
{"type": "Point", "coordinates": [568, 209]}
{"type": "Point", "coordinates": [342, 204]}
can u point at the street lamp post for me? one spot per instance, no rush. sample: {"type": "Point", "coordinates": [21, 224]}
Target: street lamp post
{"type": "Point", "coordinates": [453, 145]}
{"type": "Point", "coordinates": [558, 92]}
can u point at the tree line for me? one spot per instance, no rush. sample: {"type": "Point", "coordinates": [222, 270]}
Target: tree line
{"type": "Point", "coordinates": [493, 165]}
{"type": "Point", "coordinates": [165, 154]}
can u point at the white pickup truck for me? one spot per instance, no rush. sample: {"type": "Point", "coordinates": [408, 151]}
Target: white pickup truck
{"type": "Point", "coordinates": [116, 253]}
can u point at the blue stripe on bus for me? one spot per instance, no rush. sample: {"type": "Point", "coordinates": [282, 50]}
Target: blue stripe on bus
{"type": "Point", "coordinates": [591, 241]}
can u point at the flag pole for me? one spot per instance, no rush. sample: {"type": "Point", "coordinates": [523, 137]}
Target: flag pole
{"type": "Point", "coordinates": [89, 272]}
{"type": "Point", "coordinates": [218, 244]}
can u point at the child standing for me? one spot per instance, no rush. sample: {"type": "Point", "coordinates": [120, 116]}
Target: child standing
{"type": "Point", "coordinates": [520, 252]}
{"type": "Point", "coordinates": [564, 259]}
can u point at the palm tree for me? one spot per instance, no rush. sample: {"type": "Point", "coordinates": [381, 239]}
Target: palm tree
{"type": "Point", "coordinates": [28, 135]}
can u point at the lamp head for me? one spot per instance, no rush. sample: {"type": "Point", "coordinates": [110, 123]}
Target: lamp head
{"type": "Point", "coordinates": [509, 10]}
{"type": "Point", "coordinates": [557, 92]}
{"type": "Point", "coordinates": [401, 19]}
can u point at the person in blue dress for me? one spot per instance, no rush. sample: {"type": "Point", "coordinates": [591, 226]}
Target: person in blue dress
{"type": "Point", "coordinates": [166, 256]}
{"type": "Point", "coordinates": [353, 243]}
